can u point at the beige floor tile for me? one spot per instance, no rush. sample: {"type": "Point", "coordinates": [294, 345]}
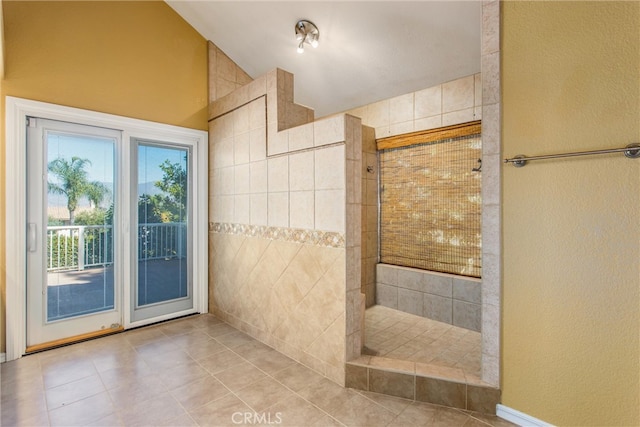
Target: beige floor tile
{"type": "Point", "coordinates": [82, 412]}
{"type": "Point", "coordinates": [220, 361]}
{"type": "Point", "coordinates": [72, 392]}
{"type": "Point", "coordinates": [264, 393]}
{"type": "Point", "coordinates": [58, 374]}
{"type": "Point", "coordinates": [200, 371]}
{"type": "Point", "coordinates": [217, 329]}
{"type": "Point", "coordinates": [240, 376]}
{"type": "Point", "coordinates": [151, 412]}
{"type": "Point", "coordinates": [234, 339]}
{"type": "Point", "coordinates": [271, 361]}
{"type": "Point", "coordinates": [25, 411]}
{"type": "Point", "coordinates": [297, 377]}
{"type": "Point", "coordinates": [326, 395]}
{"type": "Point", "coordinates": [221, 412]}
{"type": "Point", "coordinates": [182, 374]}
{"type": "Point", "coordinates": [391, 403]}
{"type": "Point", "coordinates": [360, 411]}
{"type": "Point", "coordinates": [415, 415]}
{"type": "Point", "coordinates": [143, 389]}
{"type": "Point", "coordinates": [203, 348]}
{"type": "Point", "coordinates": [111, 420]}
{"type": "Point", "coordinates": [200, 393]}
{"type": "Point", "coordinates": [295, 412]}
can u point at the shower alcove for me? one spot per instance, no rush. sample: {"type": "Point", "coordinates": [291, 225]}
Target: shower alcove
{"type": "Point", "coordinates": [291, 247]}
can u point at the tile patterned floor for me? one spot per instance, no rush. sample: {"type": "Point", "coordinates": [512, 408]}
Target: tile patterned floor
{"type": "Point", "coordinates": [195, 371]}
{"type": "Point", "coordinates": [397, 335]}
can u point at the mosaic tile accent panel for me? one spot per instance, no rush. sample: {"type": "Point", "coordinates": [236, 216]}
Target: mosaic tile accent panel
{"type": "Point", "coordinates": [327, 239]}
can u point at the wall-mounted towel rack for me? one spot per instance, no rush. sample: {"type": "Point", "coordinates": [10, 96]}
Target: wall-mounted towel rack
{"type": "Point", "coordinates": [631, 151]}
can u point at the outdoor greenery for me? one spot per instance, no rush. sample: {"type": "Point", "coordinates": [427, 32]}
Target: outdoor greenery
{"type": "Point", "coordinates": [74, 183]}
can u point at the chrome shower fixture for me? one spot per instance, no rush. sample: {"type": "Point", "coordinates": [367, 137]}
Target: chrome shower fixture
{"type": "Point", "coordinates": [306, 32]}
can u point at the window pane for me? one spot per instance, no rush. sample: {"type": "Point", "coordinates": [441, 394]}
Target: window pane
{"type": "Point", "coordinates": [163, 188]}
{"type": "Point", "coordinates": [79, 259]}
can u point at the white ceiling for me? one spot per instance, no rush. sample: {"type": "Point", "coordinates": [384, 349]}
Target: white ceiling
{"type": "Point", "coordinates": [369, 50]}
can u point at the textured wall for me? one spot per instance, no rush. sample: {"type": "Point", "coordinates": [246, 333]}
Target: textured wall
{"type": "Point", "coordinates": [571, 351]}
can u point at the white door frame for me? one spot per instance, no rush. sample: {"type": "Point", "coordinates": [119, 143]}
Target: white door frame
{"type": "Point", "coordinates": [17, 111]}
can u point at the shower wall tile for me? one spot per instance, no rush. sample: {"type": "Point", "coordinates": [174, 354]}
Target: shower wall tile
{"type": "Point", "coordinates": [428, 123]}
{"type": "Point", "coordinates": [387, 295]}
{"type": "Point", "coordinates": [257, 289]}
{"type": "Point", "coordinates": [242, 179]}
{"type": "Point", "coordinates": [441, 392]}
{"type": "Point", "coordinates": [329, 131]}
{"type": "Point", "coordinates": [258, 177]}
{"type": "Point", "coordinates": [438, 284]}
{"type": "Point", "coordinates": [458, 94]}
{"type": "Point", "coordinates": [302, 209]}
{"type": "Point", "coordinates": [428, 102]}
{"type": "Point", "coordinates": [438, 308]}
{"type": "Point", "coordinates": [278, 174]}
{"type": "Point", "coordinates": [301, 137]}
{"type": "Point", "coordinates": [401, 128]}
{"type": "Point", "coordinates": [330, 210]}
{"type": "Point", "coordinates": [391, 383]}
{"type": "Point", "coordinates": [330, 168]}
{"type": "Point", "coordinates": [242, 209]}
{"type": "Point", "coordinates": [467, 315]}
{"type": "Point", "coordinates": [410, 301]}
{"type": "Point", "coordinates": [401, 108]}
{"type": "Point", "coordinates": [409, 278]}
{"type": "Point", "coordinates": [460, 116]}
{"type": "Point", "coordinates": [378, 114]}
{"type": "Point", "coordinates": [241, 146]}
{"type": "Point", "coordinates": [278, 209]}
{"type": "Point", "coordinates": [301, 171]}
{"type": "Point", "coordinates": [467, 290]}
{"type": "Point", "coordinates": [258, 144]}
{"type": "Point", "coordinates": [387, 274]}
{"type": "Point", "coordinates": [453, 102]}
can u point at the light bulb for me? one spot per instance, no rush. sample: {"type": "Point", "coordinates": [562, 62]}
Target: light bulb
{"type": "Point", "coordinates": [301, 47]}
{"type": "Point", "coordinates": [314, 43]}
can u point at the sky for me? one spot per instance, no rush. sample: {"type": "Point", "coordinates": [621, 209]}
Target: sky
{"type": "Point", "coordinates": [100, 152]}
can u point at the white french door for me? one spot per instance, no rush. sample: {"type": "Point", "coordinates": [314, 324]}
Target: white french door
{"type": "Point", "coordinates": [73, 266]}
{"type": "Point", "coordinates": [110, 230]}
{"type": "Point", "coordinates": [161, 206]}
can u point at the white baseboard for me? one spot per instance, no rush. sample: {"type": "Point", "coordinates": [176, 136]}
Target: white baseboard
{"type": "Point", "coordinates": [519, 418]}
{"type": "Point", "coordinates": [3, 357]}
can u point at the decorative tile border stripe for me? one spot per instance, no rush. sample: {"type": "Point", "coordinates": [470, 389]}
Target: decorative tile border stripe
{"type": "Point", "coordinates": [294, 235]}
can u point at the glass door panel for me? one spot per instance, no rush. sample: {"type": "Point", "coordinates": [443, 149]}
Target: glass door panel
{"type": "Point", "coordinates": [70, 262]}
{"type": "Point", "coordinates": [163, 272]}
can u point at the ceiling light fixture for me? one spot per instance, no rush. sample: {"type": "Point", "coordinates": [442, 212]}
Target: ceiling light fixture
{"type": "Point", "coordinates": [306, 32]}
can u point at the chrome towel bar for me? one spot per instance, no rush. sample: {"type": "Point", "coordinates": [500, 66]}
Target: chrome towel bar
{"type": "Point", "coordinates": [631, 151]}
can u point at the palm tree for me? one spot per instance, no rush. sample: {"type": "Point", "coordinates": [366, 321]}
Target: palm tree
{"type": "Point", "coordinates": [74, 183]}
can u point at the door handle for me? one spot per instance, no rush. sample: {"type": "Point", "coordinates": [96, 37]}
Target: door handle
{"type": "Point", "coordinates": [32, 237]}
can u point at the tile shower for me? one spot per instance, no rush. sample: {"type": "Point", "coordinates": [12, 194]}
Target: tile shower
{"type": "Point", "coordinates": [271, 226]}
{"type": "Point", "coordinates": [284, 223]}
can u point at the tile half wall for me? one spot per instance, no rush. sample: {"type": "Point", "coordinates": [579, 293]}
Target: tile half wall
{"type": "Point", "coordinates": [447, 298]}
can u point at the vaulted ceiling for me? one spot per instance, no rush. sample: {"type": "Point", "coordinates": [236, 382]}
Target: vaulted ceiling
{"type": "Point", "coordinates": [368, 51]}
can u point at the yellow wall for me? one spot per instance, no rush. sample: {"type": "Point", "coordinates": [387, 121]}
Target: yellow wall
{"type": "Point", "coordinates": [571, 307]}
{"type": "Point", "coordinates": [134, 59]}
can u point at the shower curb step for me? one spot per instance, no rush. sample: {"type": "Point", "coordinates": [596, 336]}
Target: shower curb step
{"type": "Point", "coordinates": [422, 382]}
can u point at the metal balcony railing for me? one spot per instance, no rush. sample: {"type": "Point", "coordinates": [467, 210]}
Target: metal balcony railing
{"type": "Point", "coordinates": [81, 246]}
